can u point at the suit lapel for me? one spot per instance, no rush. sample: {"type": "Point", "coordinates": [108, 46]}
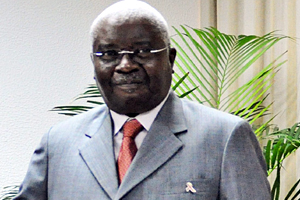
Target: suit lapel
{"type": "Point", "coordinates": [159, 145]}
{"type": "Point", "coordinates": [98, 154]}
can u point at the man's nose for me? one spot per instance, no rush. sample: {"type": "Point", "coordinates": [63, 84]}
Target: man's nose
{"type": "Point", "coordinates": [126, 64]}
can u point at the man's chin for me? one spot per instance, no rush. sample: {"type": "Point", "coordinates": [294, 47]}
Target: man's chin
{"type": "Point", "coordinates": [131, 103]}
{"type": "Point", "coordinates": [131, 99]}
{"type": "Point", "coordinates": [131, 91]}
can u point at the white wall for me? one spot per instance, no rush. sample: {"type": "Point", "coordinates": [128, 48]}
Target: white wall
{"type": "Point", "coordinates": [44, 62]}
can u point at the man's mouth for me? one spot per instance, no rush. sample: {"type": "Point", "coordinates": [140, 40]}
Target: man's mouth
{"type": "Point", "coordinates": [135, 82]}
{"type": "Point", "coordinates": [129, 84]}
{"type": "Point", "coordinates": [128, 80]}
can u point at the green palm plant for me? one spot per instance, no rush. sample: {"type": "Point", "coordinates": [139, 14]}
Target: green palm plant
{"type": "Point", "coordinates": [217, 62]}
{"type": "Point", "coordinates": [9, 192]}
{"type": "Point", "coordinates": [281, 144]}
{"type": "Point", "coordinates": [92, 96]}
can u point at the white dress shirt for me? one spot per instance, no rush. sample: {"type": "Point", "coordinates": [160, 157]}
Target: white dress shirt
{"type": "Point", "coordinates": [146, 119]}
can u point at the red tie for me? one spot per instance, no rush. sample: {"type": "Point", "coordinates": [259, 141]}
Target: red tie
{"type": "Point", "coordinates": [128, 148]}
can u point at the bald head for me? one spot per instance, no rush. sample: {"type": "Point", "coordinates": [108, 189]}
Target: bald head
{"type": "Point", "coordinates": [130, 11]}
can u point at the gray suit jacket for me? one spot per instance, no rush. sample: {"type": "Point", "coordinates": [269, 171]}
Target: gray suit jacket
{"type": "Point", "coordinates": [188, 142]}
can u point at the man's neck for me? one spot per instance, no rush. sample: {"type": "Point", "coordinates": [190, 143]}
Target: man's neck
{"type": "Point", "coordinates": [146, 118]}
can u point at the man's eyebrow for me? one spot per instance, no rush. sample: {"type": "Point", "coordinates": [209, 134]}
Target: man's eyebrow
{"type": "Point", "coordinates": [114, 46]}
{"type": "Point", "coordinates": [106, 46]}
{"type": "Point", "coordinates": [142, 43]}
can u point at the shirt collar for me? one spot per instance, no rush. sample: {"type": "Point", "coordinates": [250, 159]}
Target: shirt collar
{"type": "Point", "coordinates": [146, 119]}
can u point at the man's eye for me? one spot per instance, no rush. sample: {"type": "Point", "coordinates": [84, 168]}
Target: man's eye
{"type": "Point", "coordinates": [143, 52]}
{"type": "Point", "coordinates": [110, 53]}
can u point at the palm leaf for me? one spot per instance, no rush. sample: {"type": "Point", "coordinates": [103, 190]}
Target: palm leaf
{"type": "Point", "coordinates": [9, 192]}
{"type": "Point", "coordinates": [91, 92]}
{"type": "Point", "coordinates": [279, 146]}
{"type": "Point", "coordinates": [215, 61]}
{"type": "Point", "coordinates": [292, 190]}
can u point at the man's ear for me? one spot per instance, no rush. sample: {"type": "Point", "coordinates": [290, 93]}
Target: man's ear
{"type": "Point", "coordinates": [172, 56]}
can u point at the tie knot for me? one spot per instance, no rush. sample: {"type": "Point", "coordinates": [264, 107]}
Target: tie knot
{"type": "Point", "coordinates": [132, 128]}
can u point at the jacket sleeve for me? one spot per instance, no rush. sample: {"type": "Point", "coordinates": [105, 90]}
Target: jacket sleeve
{"type": "Point", "coordinates": [243, 173]}
{"type": "Point", "coordinates": [34, 186]}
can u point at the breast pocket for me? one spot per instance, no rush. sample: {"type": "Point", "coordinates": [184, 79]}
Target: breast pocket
{"type": "Point", "coordinates": [191, 189]}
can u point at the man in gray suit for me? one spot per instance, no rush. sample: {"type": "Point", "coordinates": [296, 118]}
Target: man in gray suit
{"type": "Point", "coordinates": [184, 150]}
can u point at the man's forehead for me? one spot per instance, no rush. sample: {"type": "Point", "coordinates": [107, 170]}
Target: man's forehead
{"type": "Point", "coordinates": [136, 25]}
{"type": "Point", "coordinates": [140, 31]}
{"type": "Point", "coordinates": [118, 41]}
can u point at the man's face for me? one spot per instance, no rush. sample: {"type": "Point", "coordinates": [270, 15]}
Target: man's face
{"type": "Point", "coordinates": [130, 84]}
